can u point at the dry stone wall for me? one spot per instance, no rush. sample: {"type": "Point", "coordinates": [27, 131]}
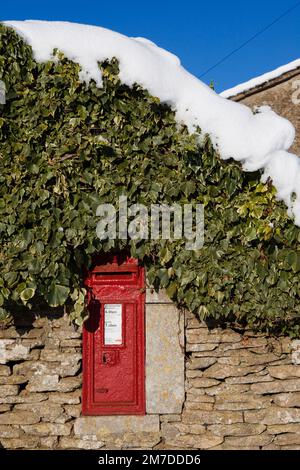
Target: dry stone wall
{"type": "Point", "coordinates": [242, 391]}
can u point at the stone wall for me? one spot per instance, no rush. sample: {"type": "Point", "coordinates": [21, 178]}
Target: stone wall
{"type": "Point", "coordinates": [283, 95]}
{"type": "Point", "coordinates": [241, 391]}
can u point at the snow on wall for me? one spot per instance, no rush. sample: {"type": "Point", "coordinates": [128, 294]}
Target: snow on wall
{"type": "Point", "coordinates": [266, 77]}
{"type": "Point", "coordinates": [258, 141]}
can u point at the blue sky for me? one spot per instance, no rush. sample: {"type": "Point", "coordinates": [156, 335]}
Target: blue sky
{"type": "Point", "coordinates": [199, 32]}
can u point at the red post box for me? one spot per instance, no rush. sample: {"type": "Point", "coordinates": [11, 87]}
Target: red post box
{"type": "Point", "coordinates": [114, 339]}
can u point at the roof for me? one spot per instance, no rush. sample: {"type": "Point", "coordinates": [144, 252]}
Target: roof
{"type": "Point", "coordinates": [264, 81]}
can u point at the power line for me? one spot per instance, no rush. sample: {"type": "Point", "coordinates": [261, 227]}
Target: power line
{"type": "Point", "coordinates": [251, 38]}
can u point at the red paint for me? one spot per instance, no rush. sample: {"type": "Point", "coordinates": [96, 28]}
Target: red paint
{"type": "Point", "coordinates": [114, 374]}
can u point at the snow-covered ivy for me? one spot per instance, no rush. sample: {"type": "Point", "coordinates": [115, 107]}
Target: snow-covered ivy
{"type": "Point", "coordinates": [66, 146]}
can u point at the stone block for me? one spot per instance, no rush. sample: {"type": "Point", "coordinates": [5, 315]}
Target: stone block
{"type": "Point", "coordinates": [164, 359]}
{"type": "Point", "coordinates": [222, 371]}
{"type": "Point", "coordinates": [226, 446]}
{"type": "Point", "coordinates": [232, 392]}
{"type": "Point", "coordinates": [202, 441]}
{"type": "Point", "coordinates": [237, 429]}
{"type": "Point", "coordinates": [73, 410]}
{"type": "Point", "coordinates": [19, 417]}
{"type": "Point", "coordinates": [52, 343]}
{"type": "Point", "coordinates": [203, 382]}
{"type": "Point", "coordinates": [34, 355]}
{"type": "Point", "coordinates": [5, 407]}
{"type": "Point", "coordinates": [249, 358]}
{"type": "Point", "coordinates": [192, 405]}
{"type": "Point", "coordinates": [200, 362]}
{"type": "Point", "coordinates": [104, 427]}
{"type": "Point", "coordinates": [8, 390]}
{"type": "Point", "coordinates": [273, 415]}
{"type": "Point", "coordinates": [47, 429]}
{"type": "Point", "coordinates": [290, 447]}
{"type": "Point", "coordinates": [229, 360]}
{"type": "Point", "coordinates": [206, 348]}
{"type": "Point", "coordinates": [24, 442]}
{"type": "Point", "coordinates": [45, 410]}
{"type": "Point", "coordinates": [249, 441]}
{"type": "Point", "coordinates": [12, 350]}
{"type": "Point", "coordinates": [201, 398]}
{"type": "Point", "coordinates": [43, 383]}
{"type": "Point", "coordinates": [70, 398]}
{"type": "Point", "coordinates": [195, 394]}
{"type": "Point", "coordinates": [33, 343]}
{"type": "Point", "coordinates": [5, 371]}
{"type": "Point", "coordinates": [73, 443]}
{"type": "Point", "coordinates": [287, 439]}
{"type": "Point", "coordinates": [283, 428]}
{"type": "Point", "coordinates": [24, 397]}
{"type": "Point", "coordinates": [171, 431]}
{"type": "Point", "coordinates": [295, 348]}
{"type": "Point", "coordinates": [68, 367]}
{"type": "Point", "coordinates": [262, 376]}
{"type": "Point", "coordinates": [200, 335]}
{"type": "Point", "coordinates": [52, 355]}
{"type": "Point", "coordinates": [71, 343]}
{"type": "Point", "coordinates": [65, 333]}
{"type": "Point", "coordinates": [13, 380]}
{"type": "Point", "coordinates": [251, 404]}
{"type": "Point", "coordinates": [277, 386]}
{"type": "Point", "coordinates": [69, 384]}
{"type": "Point", "coordinates": [193, 373]}
{"type": "Point", "coordinates": [287, 399]}
{"type": "Point", "coordinates": [8, 431]}
{"type": "Point", "coordinates": [212, 417]}
{"type": "Point", "coordinates": [49, 442]}
{"type": "Point", "coordinates": [284, 372]}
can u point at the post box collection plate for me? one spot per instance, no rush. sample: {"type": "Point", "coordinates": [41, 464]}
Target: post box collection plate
{"type": "Point", "coordinates": [113, 324]}
{"type": "Point", "coordinates": [114, 339]}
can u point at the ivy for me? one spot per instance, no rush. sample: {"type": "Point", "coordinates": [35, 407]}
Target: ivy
{"type": "Point", "coordinates": [66, 147]}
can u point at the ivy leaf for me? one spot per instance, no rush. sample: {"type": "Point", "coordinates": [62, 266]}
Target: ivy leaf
{"type": "Point", "coordinates": [57, 295]}
{"type": "Point", "coordinates": [171, 289]}
{"type": "Point", "coordinates": [250, 233]}
{"type": "Point", "coordinates": [10, 278]}
{"type": "Point", "coordinates": [27, 294]}
{"type": "Point", "coordinates": [293, 259]}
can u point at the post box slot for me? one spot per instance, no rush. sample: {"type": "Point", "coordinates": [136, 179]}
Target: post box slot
{"type": "Point", "coordinates": [115, 269]}
{"type": "Point", "coordinates": [108, 276]}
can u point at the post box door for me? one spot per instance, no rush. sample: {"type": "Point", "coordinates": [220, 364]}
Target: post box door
{"type": "Point", "coordinates": [114, 342]}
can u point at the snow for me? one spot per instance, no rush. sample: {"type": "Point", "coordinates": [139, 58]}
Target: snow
{"type": "Point", "coordinates": [258, 141]}
{"type": "Point", "coordinates": [266, 77]}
